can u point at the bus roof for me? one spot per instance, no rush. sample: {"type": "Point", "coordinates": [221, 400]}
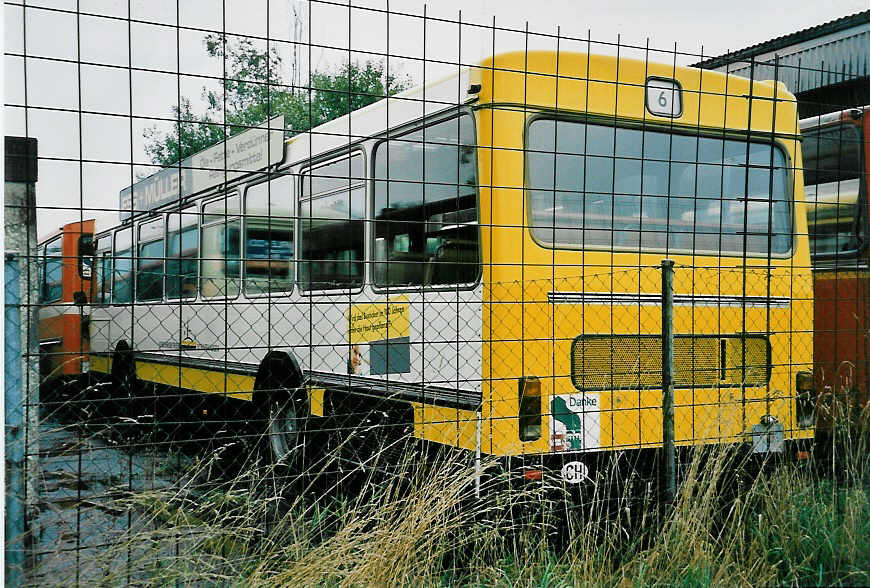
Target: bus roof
{"type": "Point", "coordinates": [832, 117]}
{"type": "Point", "coordinates": [527, 79]}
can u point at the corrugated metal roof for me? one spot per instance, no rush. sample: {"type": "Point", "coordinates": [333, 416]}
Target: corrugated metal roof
{"type": "Point", "coordinates": [819, 56]}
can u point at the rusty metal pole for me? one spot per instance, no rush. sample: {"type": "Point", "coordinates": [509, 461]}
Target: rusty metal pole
{"type": "Point", "coordinates": [668, 381]}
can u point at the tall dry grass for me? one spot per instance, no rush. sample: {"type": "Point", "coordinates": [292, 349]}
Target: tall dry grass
{"type": "Point", "coordinates": [422, 526]}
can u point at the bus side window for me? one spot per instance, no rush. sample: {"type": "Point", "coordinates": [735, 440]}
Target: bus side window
{"type": "Point", "coordinates": [425, 207]}
{"type": "Point", "coordinates": [102, 283]}
{"type": "Point", "coordinates": [269, 236]}
{"type": "Point", "coordinates": [52, 282]}
{"type": "Point", "coordinates": [122, 271]}
{"type": "Point", "coordinates": [182, 254]}
{"type": "Point", "coordinates": [149, 261]}
{"type": "Point", "coordinates": [332, 225]}
{"type": "Point", "coordinates": [221, 247]}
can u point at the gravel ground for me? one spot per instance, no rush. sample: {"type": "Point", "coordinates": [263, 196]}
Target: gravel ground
{"type": "Point", "coordinates": [82, 519]}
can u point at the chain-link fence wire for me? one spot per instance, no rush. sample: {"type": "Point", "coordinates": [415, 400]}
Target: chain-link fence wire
{"type": "Point", "coordinates": [283, 319]}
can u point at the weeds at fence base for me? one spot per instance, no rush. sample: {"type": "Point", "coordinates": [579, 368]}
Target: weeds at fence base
{"type": "Point", "coordinates": [421, 525]}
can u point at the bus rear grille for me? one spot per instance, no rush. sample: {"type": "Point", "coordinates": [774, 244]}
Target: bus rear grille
{"type": "Point", "coordinates": [619, 362]}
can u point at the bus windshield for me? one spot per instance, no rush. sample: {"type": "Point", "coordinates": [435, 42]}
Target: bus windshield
{"type": "Point", "coordinates": [832, 172]}
{"type": "Point", "coordinates": [603, 187]}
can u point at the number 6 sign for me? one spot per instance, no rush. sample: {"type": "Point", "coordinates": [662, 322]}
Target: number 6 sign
{"type": "Point", "coordinates": [664, 97]}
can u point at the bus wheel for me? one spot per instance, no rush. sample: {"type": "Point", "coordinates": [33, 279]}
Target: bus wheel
{"type": "Point", "coordinates": [124, 398]}
{"type": "Point", "coordinates": [286, 421]}
{"type": "Point", "coordinates": [281, 398]}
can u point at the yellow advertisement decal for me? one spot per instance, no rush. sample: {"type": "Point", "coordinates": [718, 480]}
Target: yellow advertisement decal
{"type": "Point", "coordinates": [376, 321]}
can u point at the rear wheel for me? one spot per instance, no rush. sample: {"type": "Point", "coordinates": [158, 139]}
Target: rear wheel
{"type": "Point", "coordinates": [285, 429]}
{"type": "Point", "coordinates": [281, 399]}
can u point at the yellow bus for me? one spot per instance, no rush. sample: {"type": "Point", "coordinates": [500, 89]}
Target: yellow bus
{"type": "Point", "coordinates": [482, 254]}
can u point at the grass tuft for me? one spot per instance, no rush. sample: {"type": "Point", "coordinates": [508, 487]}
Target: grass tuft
{"type": "Point", "coordinates": [422, 526]}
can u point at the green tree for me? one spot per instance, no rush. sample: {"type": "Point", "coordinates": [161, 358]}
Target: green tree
{"type": "Point", "coordinates": [193, 133]}
{"type": "Point", "coordinates": [252, 92]}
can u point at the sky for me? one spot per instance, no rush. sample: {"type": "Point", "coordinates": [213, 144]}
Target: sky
{"type": "Point", "coordinates": [81, 94]}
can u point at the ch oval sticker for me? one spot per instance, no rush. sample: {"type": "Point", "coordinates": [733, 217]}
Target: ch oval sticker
{"type": "Point", "coordinates": [575, 472]}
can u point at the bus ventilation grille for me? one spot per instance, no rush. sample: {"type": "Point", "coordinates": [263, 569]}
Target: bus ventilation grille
{"type": "Point", "coordinates": [630, 362]}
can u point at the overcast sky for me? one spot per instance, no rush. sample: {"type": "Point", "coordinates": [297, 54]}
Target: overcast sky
{"type": "Point", "coordinates": [107, 90]}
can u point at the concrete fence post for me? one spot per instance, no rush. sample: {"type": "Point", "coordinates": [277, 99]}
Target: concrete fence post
{"type": "Point", "coordinates": [21, 349]}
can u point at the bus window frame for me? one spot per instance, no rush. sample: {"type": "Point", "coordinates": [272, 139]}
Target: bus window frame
{"type": "Point", "coordinates": [160, 219]}
{"type": "Point", "coordinates": [303, 173]}
{"type": "Point", "coordinates": [397, 133]}
{"type": "Point", "coordinates": [236, 190]}
{"type": "Point", "coordinates": [269, 293]}
{"type": "Point", "coordinates": [190, 210]}
{"type": "Point", "coordinates": [99, 254]}
{"type": "Point", "coordinates": [862, 206]}
{"type": "Point", "coordinates": [776, 140]}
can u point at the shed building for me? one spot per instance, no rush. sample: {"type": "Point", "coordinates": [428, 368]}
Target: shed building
{"type": "Point", "coordinates": [826, 66]}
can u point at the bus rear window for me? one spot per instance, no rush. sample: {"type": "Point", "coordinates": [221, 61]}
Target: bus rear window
{"type": "Point", "coordinates": [603, 187]}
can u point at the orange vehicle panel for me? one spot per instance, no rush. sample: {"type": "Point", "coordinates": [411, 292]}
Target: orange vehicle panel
{"type": "Point", "coordinates": [62, 337]}
{"type": "Point", "coordinates": [842, 337]}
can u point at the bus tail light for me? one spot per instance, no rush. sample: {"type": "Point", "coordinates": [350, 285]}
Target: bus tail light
{"type": "Point", "coordinates": [530, 408]}
{"type": "Point", "coordinates": [806, 401]}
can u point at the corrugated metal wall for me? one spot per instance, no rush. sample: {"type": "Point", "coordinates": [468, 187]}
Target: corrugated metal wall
{"type": "Point", "coordinates": [814, 63]}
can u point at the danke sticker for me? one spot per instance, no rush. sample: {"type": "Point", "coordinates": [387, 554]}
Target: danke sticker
{"type": "Point", "coordinates": [575, 422]}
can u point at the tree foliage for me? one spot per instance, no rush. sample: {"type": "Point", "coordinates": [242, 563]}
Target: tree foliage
{"type": "Point", "coordinates": [252, 92]}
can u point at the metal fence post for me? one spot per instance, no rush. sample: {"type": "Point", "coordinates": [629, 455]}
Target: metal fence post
{"type": "Point", "coordinates": [668, 379]}
{"type": "Point", "coordinates": [21, 348]}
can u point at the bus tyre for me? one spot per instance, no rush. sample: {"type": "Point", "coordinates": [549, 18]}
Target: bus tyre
{"type": "Point", "coordinates": [286, 422]}
{"type": "Point", "coordinates": [281, 398]}
{"type": "Point", "coordinates": [125, 382]}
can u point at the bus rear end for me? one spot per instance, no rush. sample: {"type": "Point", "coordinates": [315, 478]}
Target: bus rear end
{"type": "Point", "coordinates": [836, 163]}
{"type": "Point", "coordinates": [65, 268]}
{"type": "Point", "coordinates": [602, 175]}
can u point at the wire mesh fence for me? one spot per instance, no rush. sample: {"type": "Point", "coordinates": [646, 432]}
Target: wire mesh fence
{"type": "Point", "coordinates": [461, 284]}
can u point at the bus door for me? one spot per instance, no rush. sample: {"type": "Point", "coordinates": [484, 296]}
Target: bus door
{"type": "Point", "coordinates": [332, 212]}
{"type": "Point", "coordinates": [268, 248]}
{"type": "Point", "coordinates": [101, 295]}
{"type": "Point", "coordinates": [204, 326]}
